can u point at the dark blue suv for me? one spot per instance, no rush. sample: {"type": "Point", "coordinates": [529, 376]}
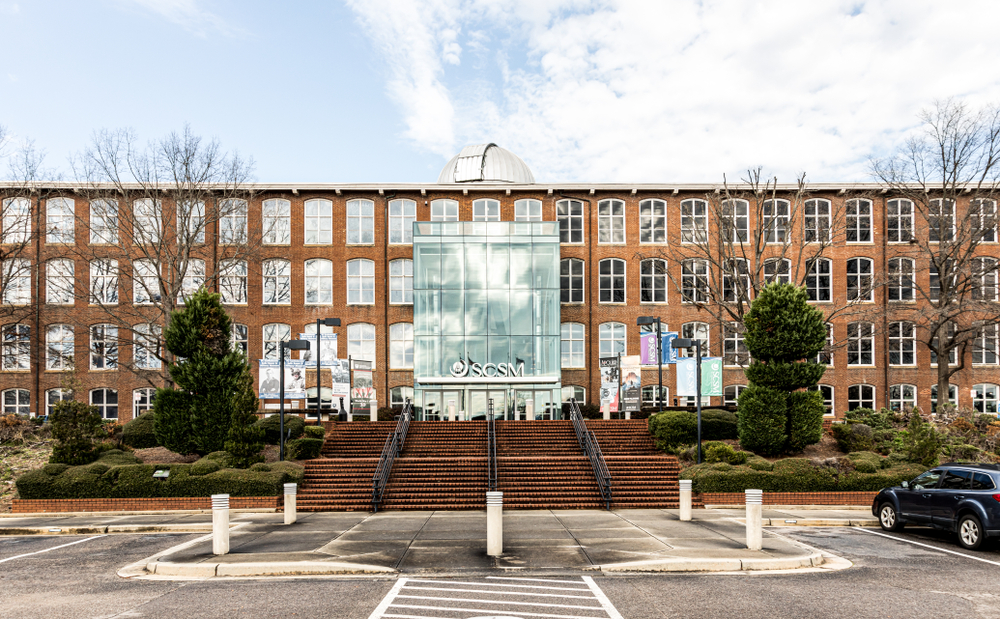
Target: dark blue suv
{"type": "Point", "coordinates": [963, 498]}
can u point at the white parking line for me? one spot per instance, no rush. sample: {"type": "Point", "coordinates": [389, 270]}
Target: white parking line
{"type": "Point", "coordinates": [951, 552]}
{"type": "Point", "coordinates": [38, 552]}
{"type": "Point", "coordinates": [423, 598]}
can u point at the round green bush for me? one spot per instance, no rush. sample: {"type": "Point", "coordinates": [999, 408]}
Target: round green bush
{"type": "Point", "coordinates": [673, 428]}
{"type": "Point", "coordinates": [204, 467]}
{"type": "Point", "coordinates": [853, 437]}
{"type": "Point", "coordinates": [260, 467]}
{"type": "Point", "coordinates": [294, 428]}
{"type": "Point", "coordinates": [117, 457]}
{"type": "Point", "coordinates": [760, 464]}
{"type": "Point", "coordinates": [762, 420]}
{"type": "Point", "coordinates": [98, 468]}
{"type": "Point", "coordinates": [223, 458]}
{"type": "Point", "coordinates": [304, 448]}
{"type": "Point", "coordinates": [54, 469]}
{"type": "Point", "coordinates": [315, 431]}
{"type": "Point", "coordinates": [138, 433]}
{"type": "Point", "coordinates": [719, 425]}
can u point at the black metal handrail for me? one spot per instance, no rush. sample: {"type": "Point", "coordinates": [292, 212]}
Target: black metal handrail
{"type": "Point", "coordinates": [491, 442]}
{"type": "Point", "coordinates": [588, 443]}
{"type": "Point", "coordinates": [393, 445]}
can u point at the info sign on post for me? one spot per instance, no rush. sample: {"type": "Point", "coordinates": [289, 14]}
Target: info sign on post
{"type": "Point", "coordinates": [609, 383]}
{"type": "Point", "coordinates": [631, 384]}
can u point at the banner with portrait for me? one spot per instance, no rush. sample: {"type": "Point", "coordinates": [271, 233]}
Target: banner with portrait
{"type": "Point", "coordinates": [631, 372]}
{"type": "Point", "coordinates": [269, 381]}
{"type": "Point", "coordinates": [609, 383]}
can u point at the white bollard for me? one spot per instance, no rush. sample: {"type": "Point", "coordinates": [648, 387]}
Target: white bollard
{"type": "Point", "coordinates": [220, 524]}
{"type": "Point", "coordinates": [290, 513]}
{"type": "Point", "coordinates": [755, 534]}
{"type": "Point", "coordinates": [451, 411]}
{"type": "Point", "coordinates": [529, 410]}
{"type": "Point", "coordinates": [373, 413]}
{"type": "Point", "coordinates": [494, 524]}
{"type": "Point", "coordinates": [606, 409]}
{"type": "Point", "coordinates": [628, 414]}
{"type": "Point", "coordinates": [685, 500]}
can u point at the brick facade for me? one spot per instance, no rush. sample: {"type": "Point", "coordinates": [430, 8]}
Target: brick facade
{"type": "Point", "coordinates": [790, 498]}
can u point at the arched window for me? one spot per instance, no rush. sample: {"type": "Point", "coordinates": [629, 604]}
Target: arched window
{"type": "Point", "coordinates": [736, 281]}
{"type": "Point", "coordinates": [818, 282]}
{"type": "Point", "coordinates": [574, 392]}
{"type": "Point", "coordinates": [401, 346]}
{"type": "Point", "coordinates": [984, 279]}
{"type": "Point", "coordinates": [983, 214]}
{"type": "Point", "coordinates": [941, 220]}
{"type": "Point", "coordinates": [444, 210]}
{"type": "Point", "coordinates": [860, 396]}
{"type": "Point", "coordinates": [318, 222]}
{"type": "Point", "coordinates": [569, 213]}
{"type": "Point", "coordinates": [649, 395]}
{"type": "Point", "coordinates": [952, 396]}
{"type": "Point", "coordinates": [612, 280]}
{"type": "Point", "coordinates": [232, 221]}
{"type": "Point", "coordinates": [653, 281]}
{"type": "Point", "coordinates": [104, 222]}
{"type": "Point", "coordinates": [694, 281]}
{"type": "Point", "coordinates": [610, 221]}
{"type": "Point", "coordinates": [16, 402]}
{"type": "Point", "coordinates": [731, 394]}
{"type": "Point", "coordinates": [734, 348]}
{"type": "Point", "coordinates": [950, 331]}
{"type": "Point", "coordinates": [900, 285]}
{"type": "Point", "coordinates": [697, 331]}
{"type": "Point", "coordinates": [16, 347]}
{"type": "Point", "coordinates": [319, 282]}
{"type": "Point", "coordinates": [612, 338]}
{"type": "Point", "coordinates": [652, 221]}
{"type": "Point", "coordinates": [402, 214]}
{"type": "Point", "coordinates": [104, 282]}
{"type": "Point", "coordinates": [147, 223]}
{"type": "Point", "coordinates": [146, 346]}
{"type": "Point", "coordinates": [361, 341]}
{"type": "Point", "coordinates": [486, 210]}
{"type": "Point", "coordinates": [233, 281]}
{"type": "Point", "coordinates": [106, 402]}
{"type": "Point", "coordinates": [694, 221]}
{"type": "Point", "coordinates": [59, 282]}
{"type": "Point", "coordinates": [59, 220]}
{"type": "Point", "coordinates": [859, 221]}
{"type": "Point", "coordinates": [277, 276]}
{"type": "Point", "coordinates": [899, 215]}
{"type": "Point", "coordinates": [360, 282]}
{"type": "Point", "coordinates": [142, 401]}
{"type": "Point", "coordinates": [194, 278]}
{"type": "Point", "coordinates": [778, 270]}
{"type": "Point", "coordinates": [573, 345]}
{"type": "Point", "coordinates": [59, 347]}
{"type": "Point", "coordinates": [52, 396]}
{"type": "Point", "coordinates": [16, 220]}
{"type": "Point", "coordinates": [817, 221]}
{"type": "Point", "coordinates": [276, 221]}
{"type": "Point", "coordinates": [828, 400]}
{"type": "Point", "coordinates": [902, 397]}
{"type": "Point", "coordinates": [274, 334]}
{"type": "Point", "coordinates": [190, 223]}
{"type": "Point", "coordinates": [571, 280]}
{"type": "Point", "coordinates": [774, 219]}
{"type": "Point", "coordinates": [985, 398]}
{"type": "Point", "coordinates": [360, 222]}
{"type": "Point", "coordinates": [859, 279]}
{"type": "Point", "coordinates": [104, 347]}
{"type": "Point", "coordinates": [902, 343]}
{"type": "Point", "coordinates": [401, 282]}
{"type": "Point", "coordinates": [145, 283]}
{"type": "Point", "coordinates": [399, 395]}
{"type": "Point", "coordinates": [239, 338]}
{"type": "Point", "coordinates": [735, 220]}
{"type": "Point", "coordinates": [985, 349]}
{"type": "Point", "coordinates": [860, 343]}
{"type": "Point", "coordinates": [528, 210]}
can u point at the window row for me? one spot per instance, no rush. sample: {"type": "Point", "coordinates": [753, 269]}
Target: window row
{"type": "Point", "coordinates": [613, 340]}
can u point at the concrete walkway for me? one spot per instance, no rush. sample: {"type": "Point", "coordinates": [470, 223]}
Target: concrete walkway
{"type": "Point", "coordinates": [454, 542]}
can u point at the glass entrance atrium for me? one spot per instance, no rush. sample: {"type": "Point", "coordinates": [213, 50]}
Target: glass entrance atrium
{"type": "Point", "coordinates": [486, 320]}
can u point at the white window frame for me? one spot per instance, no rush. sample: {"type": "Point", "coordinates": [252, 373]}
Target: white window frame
{"type": "Point", "coordinates": [653, 281]}
{"type": "Point", "coordinates": [613, 339]}
{"type": "Point", "coordinates": [319, 281]}
{"type": "Point", "coordinates": [940, 213]}
{"type": "Point", "coordinates": [103, 222]}
{"type": "Point", "coordinates": [318, 222]}
{"type": "Point", "coordinates": [15, 348]}
{"type": "Point", "coordinates": [190, 222]}
{"type": "Point", "coordinates": [648, 395]}
{"type": "Point", "coordinates": [611, 222]}
{"type": "Point", "coordinates": [860, 344]}
{"type": "Point", "coordinates": [444, 210]}
{"type": "Point", "coordinates": [485, 209]}
{"type": "Point", "coordinates": [16, 220]}
{"type": "Point", "coordinates": [819, 279]}
{"type": "Point", "coordinates": [902, 396]}
{"type": "Point", "coordinates": [984, 216]}
{"type": "Point", "coordinates": [17, 281]}
{"type": "Point", "coordinates": [21, 404]}
{"type": "Point", "coordinates": [233, 221]}
{"type": "Point", "coordinates": [731, 394]}
{"type": "Point", "coordinates": [859, 229]}
{"type": "Point", "coordinates": [774, 220]}
{"type": "Point", "coordinates": [736, 269]}
{"type": "Point", "coordinates": [986, 398]}
{"type": "Point", "coordinates": [984, 282]}
{"type": "Point", "coordinates": [60, 221]}
{"type": "Point", "coordinates": [986, 346]}
{"type": "Point", "coordinates": [575, 390]}
{"type": "Point", "coordinates": [361, 341]}
{"type": "Point", "coordinates": [952, 354]}
{"type": "Point", "coordinates": [103, 405]}
{"type": "Point", "coordinates": [276, 281]}
{"type": "Point", "coordinates": [861, 395]}
{"type": "Point", "coordinates": [239, 338]}
{"type": "Point", "coordinates": [60, 347]}
{"type": "Point", "coordinates": [569, 214]}
{"type": "Point", "coordinates": [566, 281]}
{"type": "Point", "coordinates": [60, 282]}
{"type": "Point", "coordinates": [901, 277]}
{"type": "Point", "coordinates": [859, 280]}
{"type": "Point", "coordinates": [360, 222]}
{"type": "Point", "coordinates": [817, 221]}
{"type": "Point", "coordinates": [734, 347]}
{"type": "Point", "coordinates": [233, 281]}
{"type": "Point", "coordinates": [142, 400]}
{"type": "Point", "coordinates": [147, 225]}
{"type": "Point", "coordinates": [528, 209]}
{"type": "Point", "coordinates": [652, 222]}
{"type": "Point", "coordinates": [736, 219]}
{"type": "Point", "coordinates": [103, 348]}
{"type": "Point", "coordinates": [899, 220]}
{"type": "Point", "coordinates": [782, 274]}
{"type": "Point", "coordinates": [572, 345]}
{"type": "Point", "coordinates": [613, 284]}
{"type": "Point", "coordinates": [194, 278]}
{"type": "Point", "coordinates": [401, 281]}
{"type": "Point", "coordinates": [829, 403]}
{"type": "Point", "coordinates": [276, 220]}
{"type": "Point", "coordinates": [145, 283]}
{"type": "Point", "coordinates": [402, 214]}
{"type": "Point", "coordinates": [104, 282]}
{"type": "Point", "coordinates": [952, 396]}
{"type": "Point", "coordinates": [697, 331]}
{"type": "Point", "coordinates": [145, 344]}
{"type": "Point", "coordinates": [694, 221]}
{"type": "Point", "coordinates": [360, 282]}
{"type": "Point", "coordinates": [52, 396]}
{"type": "Point", "coordinates": [401, 346]}
{"type": "Point", "coordinates": [902, 342]}
{"type": "Point", "coordinates": [825, 356]}
{"type": "Point", "coordinates": [694, 281]}
{"type": "Point", "coordinates": [399, 395]}
{"type": "Point", "coordinates": [274, 333]}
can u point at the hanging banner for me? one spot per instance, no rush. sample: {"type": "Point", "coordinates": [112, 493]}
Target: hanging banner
{"type": "Point", "coordinates": [648, 350]}
{"type": "Point", "coordinates": [711, 376]}
{"type": "Point", "coordinates": [363, 391]}
{"type": "Point", "coordinates": [327, 351]}
{"type": "Point", "coordinates": [295, 378]}
{"type": "Point", "coordinates": [669, 352]}
{"type": "Point", "coordinates": [609, 383]}
{"type": "Point", "coordinates": [631, 371]}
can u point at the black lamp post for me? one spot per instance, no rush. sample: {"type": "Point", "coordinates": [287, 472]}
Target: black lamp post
{"type": "Point", "coordinates": [289, 345]}
{"type": "Point", "coordinates": [648, 320]}
{"type": "Point", "coordinates": [688, 343]}
{"type": "Point", "coordinates": [326, 322]}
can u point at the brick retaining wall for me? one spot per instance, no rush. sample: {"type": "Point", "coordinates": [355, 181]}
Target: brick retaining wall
{"type": "Point", "coordinates": [790, 498]}
{"type": "Point", "coordinates": [33, 506]}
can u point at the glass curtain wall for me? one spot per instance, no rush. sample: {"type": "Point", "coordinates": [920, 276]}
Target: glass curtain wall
{"type": "Point", "coordinates": [486, 319]}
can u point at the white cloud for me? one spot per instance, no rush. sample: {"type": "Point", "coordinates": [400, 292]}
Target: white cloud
{"type": "Point", "coordinates": [190, 16]}
{"type": "Point", "coordinates": [10, 8]}
{"type": "Point", "coordinates": [670, 90]}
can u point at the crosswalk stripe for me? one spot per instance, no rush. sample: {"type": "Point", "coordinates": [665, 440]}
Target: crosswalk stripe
{"type": "Point", "coordinates": [485, 584]}
{"type": "Point", "coordinates": [502, 602]}
{"type": "Point", "coordinates": [487, 610]}
{"type": "Point", "coordinates": [548, 595]}
{"type": "Point", "coordinates": [569, 582]}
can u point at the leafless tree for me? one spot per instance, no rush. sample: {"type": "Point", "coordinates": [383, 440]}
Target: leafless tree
{"type": "Point", "coordinates": [161, 221]}
{"type": "Point", "coordinates": [942, 188]}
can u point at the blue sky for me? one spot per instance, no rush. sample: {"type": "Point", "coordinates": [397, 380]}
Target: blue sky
{"type": "Point", "coordinates": [388, 90]}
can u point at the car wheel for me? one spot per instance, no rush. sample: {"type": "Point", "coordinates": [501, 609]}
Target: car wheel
{"type": "Point", "coordinates": [888, 519]}
{"type": "Point", "coordinates": [970, 532]}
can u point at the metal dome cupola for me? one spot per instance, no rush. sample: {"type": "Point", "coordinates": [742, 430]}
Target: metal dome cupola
{"type": "Point", "coordinates": [486, 163]}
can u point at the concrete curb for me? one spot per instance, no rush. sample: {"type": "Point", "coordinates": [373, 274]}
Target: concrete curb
{"type": "Point", "coordinates": [275, 568]}
{"type": "Point", "coordinates": [162, 512]}
{"type": "Point", "coordinates": [115, 528]}
{"type": "Point", "coordinates": [715, 565]}
{"type": "Point", "coordinates": [819, 522]}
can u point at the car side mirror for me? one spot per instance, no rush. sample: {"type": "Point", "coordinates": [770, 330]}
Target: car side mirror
{"type": "Point", "coordinates": [905, 484]}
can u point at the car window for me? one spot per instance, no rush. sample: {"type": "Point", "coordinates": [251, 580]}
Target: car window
{"type": "Point", "coordinates": [955, 480]}
{"type": "Point", "coordinates": [982, 481]}
{"type": "Point", "coordinates": [927, 480]}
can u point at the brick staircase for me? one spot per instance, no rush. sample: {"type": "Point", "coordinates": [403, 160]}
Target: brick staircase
{"type": "Point", "coordinates": [443, 465]}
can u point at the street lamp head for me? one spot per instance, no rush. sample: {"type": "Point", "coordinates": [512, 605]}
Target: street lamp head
{"type": "Point", "coordinates": [647, 320]}
{"type": "Point", "coordinates": [683, 342]}
{"type": "Point", "coordinates": [295, 345]}
{"type": "Point", "coordinates": [331, 322]}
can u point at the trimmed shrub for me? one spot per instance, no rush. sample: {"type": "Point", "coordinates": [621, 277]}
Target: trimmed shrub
{"type": "Point", "coordinates": [805, 418]}
{"type": "Point", "coordinates": [867, 461]}
{"type": "Point", "coordinates": [117, 457]}
{"type": "Point", "coordinates": [304, 448]}
{"type": "Point", "coordinates": [315, 431]}
{"type": "Point", "coordinates": [54, 468]}
{"type": "Point", "coordinates": [261, 467]}
{"type": "Point", "coordinates": [140, 433]}
{"type": "Point", "coordinates": [204, 467]}
{"type": "Point", "coordinates": [719, 425]}
{"type": "Point", "coordinates": [77, 428]}
{"type": "Point", "coordinates": [853, 437]}
{"type": "Point", "coordinates": [223, 458]}
{"type": "Point", "coordinates": [673, 428]}
{"type": "Point", "coordinates": [762, 420]}
{"type": "Point", "coordinates": [921, 442]}
{"type": "Point", "coordinates": [294, 428]}
{"type": "Point", "coordinates": [760, 464]}
{"type": "Point", "coordinates": [721, 452]}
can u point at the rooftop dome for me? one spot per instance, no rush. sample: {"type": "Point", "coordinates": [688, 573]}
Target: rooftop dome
{"type": "Point", "coordinates": [485, 163]}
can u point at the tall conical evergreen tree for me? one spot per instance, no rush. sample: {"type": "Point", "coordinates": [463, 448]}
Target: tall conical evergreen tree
{"type": "Point", "coordinates": [782, 333]}
{"type": "Point", "coordinates": [214, 401]}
